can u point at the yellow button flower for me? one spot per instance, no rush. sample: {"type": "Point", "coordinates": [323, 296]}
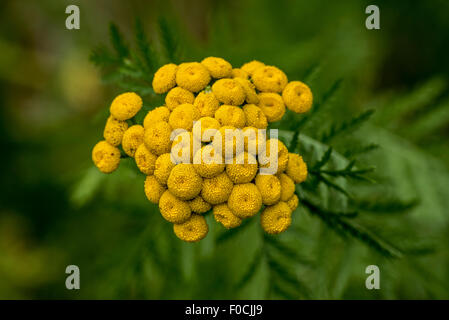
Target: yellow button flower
{"type": "Point", "coordinates": [254, 141]}
{"type": "Point", "coordinates": [172, 209]}
{"type": "Point", "coordinates": [216, 190]}
{"type": "Point", "coordinates": [250, 67]}
{"type": "Point", "coordinates": [229, 140]}
{"type": "Point", "coordinates": [243, 168]}
{"type": "Point", "coordinates": [217, 67]}
{"type": "Point", "coordinates": [297, 97]}
{"type": "Point", "coordinates": [163, 167]}
{"type": "Point", "coordinates": [245, 200]}
{"type": "Point", "coordinates": [296, 168]}
{"type": "Point", "coordinates": [177, 96]}
{"type": "Point", "coordinates": [207, 162]}
{"type": "Point", "coordinates": [269, 187]}
{"type": "Point", "coordinates": [198, 205]}
{"type": "Point", "coordinates": [126, 106]}
{"type": "Point", "coordinates": [287, 187]}
{"type": "Point", "coordinates": [229, 91]}
{"type": "Point", "coordinates": [207, 103]}
{"type": "Point", "coordinates": [281, 157]}
{"type": "Point", "coordinates": [249, 89]}
{"type": "Point", "coordinates": [269, 79]}
{"type": "Point", "coordinates": [205, 123]}
{"type": "Point", "coordinates": [156, 115]}
{"type": "Point", "coordinates": [145, 160]}
{"type": "Point", "coordinates": [224, 215]}
{"type": "Point", "coordinates": [192, 76]}
{"type": "Point", "coordinates": [192, 230]}
{"type": "Point", "coordinates": [153, 189]}
{"type": "Point", "coordinates": [239, 73]}
{"type": "Point", "coordinates": [229, 115]}
{"type": "Point", "coordinates": [165, 78]}
{"type": "Point", "coordinates": [276, 219]}
{"type": "Point", "coordinates": [183, 116]}
{"type": "Point", "coordinates": [272, 106]}
{"type": "Point", "coordinates": [184, 182]}
{"type": "Point", "coordinates": [132, 139]}
{"type": "Point", "coordinates": [157, 137]}
{"type": "Point", "coordinates": [255, 117]}
{"type": "Point", "coordinates": [293, 202]}
{"type": "Point", "coordinates": [106, 157]}
{"type": "Point", "coordinates": [114, 130]}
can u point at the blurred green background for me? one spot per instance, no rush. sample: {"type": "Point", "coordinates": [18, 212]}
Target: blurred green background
{"type": "Point", "coordinates": [56, 210]}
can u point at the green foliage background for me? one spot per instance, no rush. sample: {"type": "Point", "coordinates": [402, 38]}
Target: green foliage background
{"type": "Point", "coordinates": [376, 144]}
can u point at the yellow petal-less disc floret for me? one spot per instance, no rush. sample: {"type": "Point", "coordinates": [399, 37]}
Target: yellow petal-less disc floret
{"type": "Point", "coordinates": [243, 168]}
{"type": "Point", "coordinates": [269, 79]}
{"type": "Point", "coordinates": [231, 139]}
{"type": "Point", "coordinates": [132, 139]}
{"type": "Point", "coordinates": [229, 115]}
{"type": "Point", "coordinates": [106, 157]}
{"type": "Point", "coordinates": [184, 182]}
{"type": "Point", "coordinates": [178, 96]}
{"type": "Point", "coordinates": [224, 215]}
{"type": "Point", "coordinates": [193, 230]}
{"type": "Point", "coordinates": [266, 161]}
{"type": "Point", "coordinates": [250, 90]}
{"type": "Point", "coordinates": [297, 97]}
{"type": "Point", "coordinates": [174, 209]}
{"type": "Point", "coordinates": [276, 219]}
{"type": "Point", "coordinates": [293, 202]}
{"type": "Point", "coordinates": [239, 73]}
{"type": "Point", "coordinates": [192, 76]}
{"type": "Point", "coordinates": [198, 205]}
{"type": "Point", "coordinates": [245, 200]}
{"type": "Point", "coordinates": [165, 78]}
{"type": "Point", "coordinates": [296, 168]}
{"type": "Point", "coordinates": [254, 141]}
{"type": "Point", "coordinates": [114, 130]}
{"type": "Point", "coordinates": [272, 106]}
{"type": "Point", "coordinates": [255, 117]}
{"type": "Point", "coordinates": [207, 162]}
{"type": "Point", "coordinates": [229, 91]}
{"type": "Point", "coordinates": [269, 187]}
{"type": "Point", "coordinates": [207, 103]}
{"type": "Point", "coordinates": [251, 66]}
{"type": "Point", "coordinates": [205, 123]}
{"type": "Point", "coordinates": [287, 187]}
{"type": "Point", "coordinates": [183, 116]}
{"type": "Point", "coordinates": [126, 106]}
{"type": "Point", "coordinates": [153, 189]}
{"type": "Point", "coordinates": [216, 190]}
{"type": "Point", "coordinates": [217, 67]}
{"type": "Point", "coordinates": [163, 167]}
{"type": "Point", "coordinates": [157, 137]}
{"type": "Point", "coordinates": [145, 160]}
{"type": "Point", "coordinates": [156, 115]}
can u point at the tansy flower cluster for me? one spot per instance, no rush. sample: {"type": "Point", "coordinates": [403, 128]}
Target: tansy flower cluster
{"type": "Point", "coordinates": [206, 149]}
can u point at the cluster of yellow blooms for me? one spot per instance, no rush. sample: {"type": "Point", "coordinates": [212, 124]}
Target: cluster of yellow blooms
{"type": "Point", "coordinates": [215, 97]}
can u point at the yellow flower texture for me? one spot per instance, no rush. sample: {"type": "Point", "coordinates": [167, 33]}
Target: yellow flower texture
{"type": "Point", "coordinates": [207, 149]}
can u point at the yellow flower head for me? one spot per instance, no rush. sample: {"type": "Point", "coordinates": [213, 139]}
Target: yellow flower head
{"type": "Point", "coordinates": [157, 137]}
{"type": "Point", "coordinates": [192, 230]}
{"type": "Point", "coordinates": [126, 106]}
{"type": "Point", "coordinates": [243, 168]}
{"type": "Point", "coordinates": [255, 116]}
{"type": "Point", "coordinates": [254, 140]}
{"type": "Point", "coordinates": [114, 130]}
{"type": "Point", "coordinates": [165, 78]}
{"type": "Point", "coordinates": [224, 215]}
{"type": "Point", "coordinates": [287, 187]}
{"type": "Point", "coordinates": [153, 189]}
{"type": "Point", "coordinates": [293, 202]}
{"type": "Point", "coordinates": [250, 67]}
{"type": "Point", "coordinates": [269, 79]}
{"type": "Point", "coordinates": [216, 190]}
{"type": "Point", "coordinates": [145, 160]}
{"type": "Point", "coordinates": [156, 115]}
{"type": "Point", "coordinates": [205, 123]}
{"type": "Point", "coordinates": [217, 67]}
{"type": "Point", "coordinates": [229, 140]}
{"type": "Point", "coordinates": [297, 97]}
{"type": "Point", "coordinates": [267, 161]}
{"type": "Point", "coordinates": [272, 106]}
{"type": "Point", "coordinates": [192, 76]}
{"type": "Point", "coordinates": [173, 209]}
{"type": "Point", "coordinates": [183, 116]}
{"type": "Point", "coordinates": [207, 103]}
{"type": "Point", "coordinates": [239, 73]}
{"type": "Point", "coordinates": [276, 219]}
{"type": "Point", "coordinates": [198, 205]}
{"type": "Point", "coordinates": [269, 187]}
{"type": "Point", "coordinates": [296, 168]}
{"type": "Point", "coordinates": [245, 200]}
{"type": "Point", "coordinates": [250, 90]}
{"type": "Point", "coordinates": [132, 139]}
{"type": "Point", "coordinates": [106, 157]}
{"type": "Point", "coordinates": [163, 167]}
{"type": "Point", "coordinates": [207, 162]}
{"type": "Point", "coordinates": [230, 116]}
{"type": "Point", "coordinates": [229, 91]}
{"type": "Point", "coordinates": [177, 96]}
{"type": "Point", "coordinates": [184, 182]}
{"type": "Point", "coordinates": [183, 148]}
